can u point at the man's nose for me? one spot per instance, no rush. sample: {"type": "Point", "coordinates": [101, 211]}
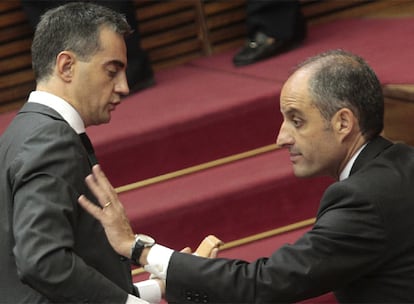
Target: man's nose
{"type": "Point", "coordinates": [284, 138]}
{"type": "Point", "coordinates": [121, 86]}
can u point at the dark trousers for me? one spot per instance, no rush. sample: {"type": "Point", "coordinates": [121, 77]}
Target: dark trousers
{"type": "Point", "coordinates": [278, 19]}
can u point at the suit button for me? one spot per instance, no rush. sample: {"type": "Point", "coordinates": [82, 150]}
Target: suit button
{"type": "Point", "coordinates": [197, 297]}
{"type": "Point", "coordinates": [189, 296]}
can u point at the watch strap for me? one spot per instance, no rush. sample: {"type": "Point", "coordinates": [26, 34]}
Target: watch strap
{"type": "Point", "coordinates": [141, 241]}
{"type": "Point", "coordinates": [136, 251]}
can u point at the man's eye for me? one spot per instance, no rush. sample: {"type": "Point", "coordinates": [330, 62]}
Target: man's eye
{"type": "Point", "coordinates": [112, 73]}
{"type": "Point", "coordinates": [297, 122]}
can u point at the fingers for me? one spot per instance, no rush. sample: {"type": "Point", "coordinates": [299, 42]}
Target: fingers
{"type": "Point", "coordinates": [91, 208]}
{"type": "Point", "coordinates": [206, 247]}
{"type": "Point", "coordinates": [103, 181]}
{"type": "Point", "coordinates": [101, 187]}
{"type": "Point", "coordinates": [214, 253]}
{"type": "Point", "coordinates": [186, 250]}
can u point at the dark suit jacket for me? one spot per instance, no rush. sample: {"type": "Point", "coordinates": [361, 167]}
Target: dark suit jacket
{"type": "Point", "coordinates": [51, 249]}
{"type": "Point", "coordinates": [361, 246]}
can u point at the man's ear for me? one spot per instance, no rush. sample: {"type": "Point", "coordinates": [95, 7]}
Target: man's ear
{"type": "Point", "coordinates": [65, 64]}
{"type": "Point", "coordinates": [344, 122]}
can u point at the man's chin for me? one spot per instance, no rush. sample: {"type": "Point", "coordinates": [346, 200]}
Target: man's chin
{"type": "Point", "coordinates": [102, 121]}
{"type": "Point", "coordinates": [107, 118]}
{"type": "Point", "coordinates": [302, 172]}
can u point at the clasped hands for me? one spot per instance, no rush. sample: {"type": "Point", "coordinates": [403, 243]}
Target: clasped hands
{"type": "Point", "coordinates": [113, 218]}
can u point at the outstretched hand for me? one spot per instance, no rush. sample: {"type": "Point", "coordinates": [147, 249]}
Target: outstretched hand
{"type": "Point", "coordinates": [110, 213]}
{"type": "Point", "coordinates": [209, 247]}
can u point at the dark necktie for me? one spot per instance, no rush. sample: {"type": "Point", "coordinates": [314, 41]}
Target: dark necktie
{"type": "Point", "coordinates": [88, 146]}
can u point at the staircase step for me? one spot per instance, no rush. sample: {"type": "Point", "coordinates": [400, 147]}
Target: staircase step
{"type": "Point", "coordinates": [355, 35]}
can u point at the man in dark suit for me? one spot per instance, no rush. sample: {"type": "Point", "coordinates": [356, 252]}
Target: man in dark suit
{"type": "Point", "coordinates": [52, 250]}
{"type": "Point", "coordinates": [361, 246]}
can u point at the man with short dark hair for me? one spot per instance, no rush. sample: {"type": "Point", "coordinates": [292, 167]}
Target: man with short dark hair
{"type": "Point", "coordinates": [52, 250]}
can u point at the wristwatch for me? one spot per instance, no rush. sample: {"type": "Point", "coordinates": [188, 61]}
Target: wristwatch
{"type": "Point", "coordinates": [141, 241]}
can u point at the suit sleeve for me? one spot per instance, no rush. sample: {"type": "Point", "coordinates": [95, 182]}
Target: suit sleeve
{"type": "Point", "coordinates": [345, 243]}
{"type": "Point", "coordinates": [48, 176]}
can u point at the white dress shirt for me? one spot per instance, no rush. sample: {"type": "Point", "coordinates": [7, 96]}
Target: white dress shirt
{"type": "Point", "coordinates": [347, 170]}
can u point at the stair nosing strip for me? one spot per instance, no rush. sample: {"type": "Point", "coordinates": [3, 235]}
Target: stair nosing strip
{"type": "Point", "coordinates": [196, 168]}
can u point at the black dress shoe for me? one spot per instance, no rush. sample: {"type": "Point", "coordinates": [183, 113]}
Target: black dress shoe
{"type": "Point", "coordinates": [263, 46]}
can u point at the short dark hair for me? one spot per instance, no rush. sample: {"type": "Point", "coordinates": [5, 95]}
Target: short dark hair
{"type": "Point", "coordinates": [73, 27]}
{"type": "Point", "coordinates": [340, 79]}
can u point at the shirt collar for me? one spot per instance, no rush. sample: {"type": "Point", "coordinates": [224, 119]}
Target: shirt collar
{"type": "Point", "coordinates": [69, 114]}
{"type": "Point", "coordinates": [347, 170]}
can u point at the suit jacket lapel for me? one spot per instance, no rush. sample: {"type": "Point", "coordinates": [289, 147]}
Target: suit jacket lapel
{"type": "Point", "coordinates": [32, 107]}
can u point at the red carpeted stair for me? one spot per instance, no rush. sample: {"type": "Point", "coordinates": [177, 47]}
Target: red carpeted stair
{"type": "Point", "coordinates": [384, 43]}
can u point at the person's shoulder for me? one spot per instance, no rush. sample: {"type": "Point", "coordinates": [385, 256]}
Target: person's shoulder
{"type": "Point", "coordinates": [401, 147]}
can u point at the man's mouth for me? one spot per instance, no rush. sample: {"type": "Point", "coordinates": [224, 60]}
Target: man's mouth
{"type": "Point", "coordinates": [112, 106]}
{"type": "Point", "coordinates": [294, 156]}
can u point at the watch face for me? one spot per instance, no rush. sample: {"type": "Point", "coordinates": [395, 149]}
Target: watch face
{"type": "Point", "coordinates": [145, 240]}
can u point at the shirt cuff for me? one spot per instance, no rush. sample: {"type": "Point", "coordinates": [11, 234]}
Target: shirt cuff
{"type": "Point", "coordinates": [158, 259]}
{"type": "Point", "coordinates": [149, 291]}
{"type": "Point", "coordinates": [134, 300]}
